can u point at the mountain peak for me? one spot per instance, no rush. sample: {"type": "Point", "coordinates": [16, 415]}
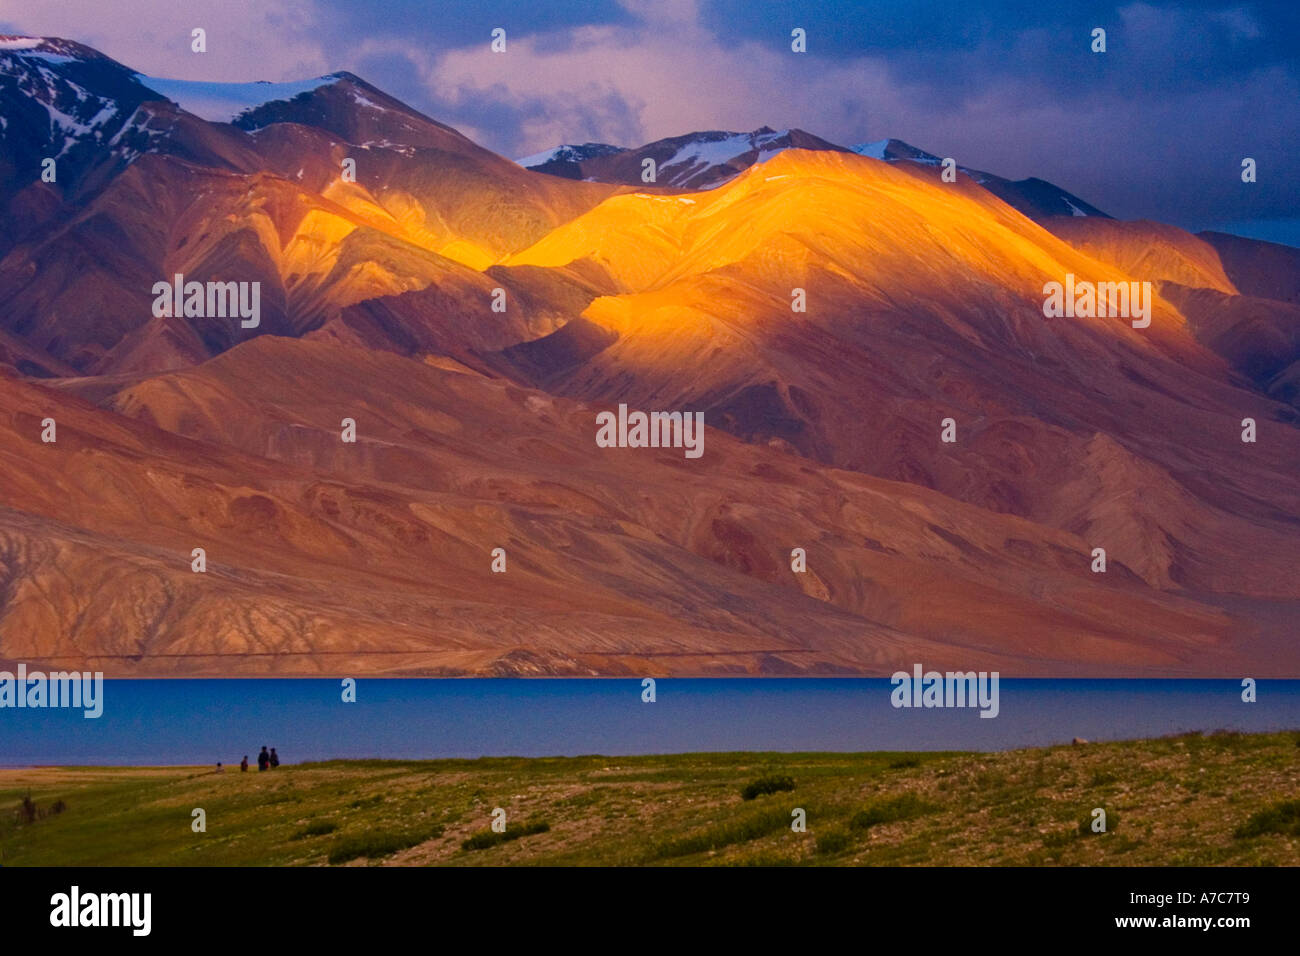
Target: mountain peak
{"type": "Point", "coordinates": [1036, 198]}
{"type": "Point", "coordinates": [48, 48]}
{"type": "Point", "coordinates": [566, 160]}
{"type": "Point", "coordinates": [227, 102]}
{"type": "Point", "coordinates": [62, 100]}
{"type": "Point", "coordinates": [891, 150]}
{"type": "Point", "coordinates": [698, 160]}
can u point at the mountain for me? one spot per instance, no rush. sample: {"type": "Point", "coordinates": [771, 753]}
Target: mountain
{"type": "Point", "coordinates": [938, 317]}
{"type": "Point", "coordinates": [64, 102]}
{"type": "Point", "coordinates": [693, 161]}
{"type": "Point", "coordinates": [567, 161]}
{"type": "Point", "coordinates": [704, 160]}
{"type": "Point", "coordinates": [473, 318]}
{"type": "Point", "coordinates": [1036, 198]}
{"type": "Point", "coordinates": [155, 190]}
{"type": "Point", "coordinates": [1264, 269]}
{"type": "Point", "coordinates": [1151, 249]}
{"type": "Point", "coordinates": [375, 558]}
{"type": "Point", "coordinates": [1239, 296]}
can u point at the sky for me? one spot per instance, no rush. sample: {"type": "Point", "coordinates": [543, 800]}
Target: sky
{"type": "Point", "coordinates": [1156, 127]}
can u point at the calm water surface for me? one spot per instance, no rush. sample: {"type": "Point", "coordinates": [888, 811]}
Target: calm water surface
{"type": "Point", "coordinates": [203, 721]}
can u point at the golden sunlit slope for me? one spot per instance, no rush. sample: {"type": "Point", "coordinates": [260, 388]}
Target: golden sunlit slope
{"type": "Point", "coordinates": [1152, 250]}
{"type": "Point", "coordinates": [1258, 332]}
{"type": "Point", "coordinates": [81, 294]}
{"type": "Point", "coordinates": [326, 557]}
{"type": "Point", "coordinates": [855, 234]}
{"type": "Point", "coordinates": [417, 169]}
{"type": "Point", "coordinates": [448, 196]}
{"type": "Point", "coordinates": [925, 304]}
{"type": "Point", "coordinates": [948, 456]}
{"type": "Point", "coordinates": [267, 201]}
{"type": "Point", "coordinates": [864, 220]}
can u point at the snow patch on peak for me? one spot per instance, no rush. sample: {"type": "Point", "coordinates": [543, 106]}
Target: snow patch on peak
{"type": "Point", "coordinates": [763, 140]}
{"type": "Point", "coordinates": [1074, 210]}
{"type": "Point", "coordinates": [718, 149]}
{"type": "Point", "coordinates": [38, 48]}
{"type": "Point", "coordinates": [358, 97]}
{"type": "Point", "coordinates": [48, 49]}
{"type": "Point", "coordinates": [874, 150]}
{"type": "Point", "coordinates": [893, 150]}
{"type": "Point", "coordinates": [569, 153]}
{"type": "Point", "coordinates": [225, 102]}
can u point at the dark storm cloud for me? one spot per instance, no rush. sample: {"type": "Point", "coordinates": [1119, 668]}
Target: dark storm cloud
{"type": "Point", "coordinates": [1155, 128]}
{"type": "Point", "coordinates": [459, 23]}
{"type": "Point", "coordinates": [939, 41]}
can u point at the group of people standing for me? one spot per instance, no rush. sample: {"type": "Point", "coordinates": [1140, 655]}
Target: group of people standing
{"type": "Point", "coordinates": [265, 761]}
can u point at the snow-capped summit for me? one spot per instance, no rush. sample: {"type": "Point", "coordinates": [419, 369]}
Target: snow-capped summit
{"type": "Point", "coordinates": [698, 160]}
{"type": "Point", "coordinates": [569, 154]}
{"type": "Point", "coordinates": [63, 101]}
{"type": "Point", "coordinates": [50, 49]}
{"type": "Point", "coordinates": [1035, 198]}
{"type": "Point", "coordinates": [567, 160]}
{"type": "Point", "coordinates": [704, 156]}
{"type": "Point", "coordinates": [892, 150]}
{"type": "Point", "coordinates": [226, 102]}
{"type": "Point", "coordinates": [706, 159]}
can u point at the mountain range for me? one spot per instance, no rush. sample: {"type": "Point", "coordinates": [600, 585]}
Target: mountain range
{"type": "Point", "coordinates": [708, 159]}
{"type": "Point", "coordinates": [473, 316]}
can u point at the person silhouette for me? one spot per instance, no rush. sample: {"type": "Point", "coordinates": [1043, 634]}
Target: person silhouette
{"type": "Point", "coordinates": [243, 764]}
{"type": "Point", "coordinates": [263, 759]}
{"type": "Point", "coordinates": [275, 759]}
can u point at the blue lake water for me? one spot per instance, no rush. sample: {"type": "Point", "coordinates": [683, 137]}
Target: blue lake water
{"type": "Point", "coordinates": [161, 722]}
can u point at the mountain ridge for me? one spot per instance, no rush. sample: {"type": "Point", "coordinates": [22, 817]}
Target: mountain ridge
{"type": "Point", "coordinates": [472, 317]}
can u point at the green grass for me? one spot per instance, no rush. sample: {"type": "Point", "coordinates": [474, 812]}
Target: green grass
{"type": "Point", "coordinates": [767, 785]}
{"type": "Point", "coordinates": [740, 830]}
{"type": "Point", "coordinates": [832, 841]}
{"type": "Point", "coordinates": [1214, 799]}
{"type": "Point", "coordinates": [1282, 817]}
{"type": "Point", "coordinates": [486, 839]}
{"type": "Point", "coordinates": [374, 844]}
{"type": "Point", "coordinates": [889, 810]}
{"type": "Point", "coordinates": [319, 828]}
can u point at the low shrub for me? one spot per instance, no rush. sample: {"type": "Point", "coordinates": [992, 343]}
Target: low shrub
{"type": "Point", "coordinates": [378, 843]}
{"type": "Point", "coordinates": [832, 841]}
{"type": "Point", "coordinates": [485, 839]}
{"type": "Point", "coordinates": [715, 838]}
{"type": "Point", "coordinates": [1282, 817]}
{"type": "Point", "coordinates": [889, 810]}
{"type": "Point", "coordinates": [315, 828]}
{"type": "Point", "coordinates": [765, 785]}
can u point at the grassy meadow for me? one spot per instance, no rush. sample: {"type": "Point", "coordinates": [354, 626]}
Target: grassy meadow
{"type": "Point", "coordinates": [1222, 798]}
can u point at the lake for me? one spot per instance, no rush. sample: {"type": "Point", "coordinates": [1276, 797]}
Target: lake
{"type": "Point", "coordinates": [161, 722]}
